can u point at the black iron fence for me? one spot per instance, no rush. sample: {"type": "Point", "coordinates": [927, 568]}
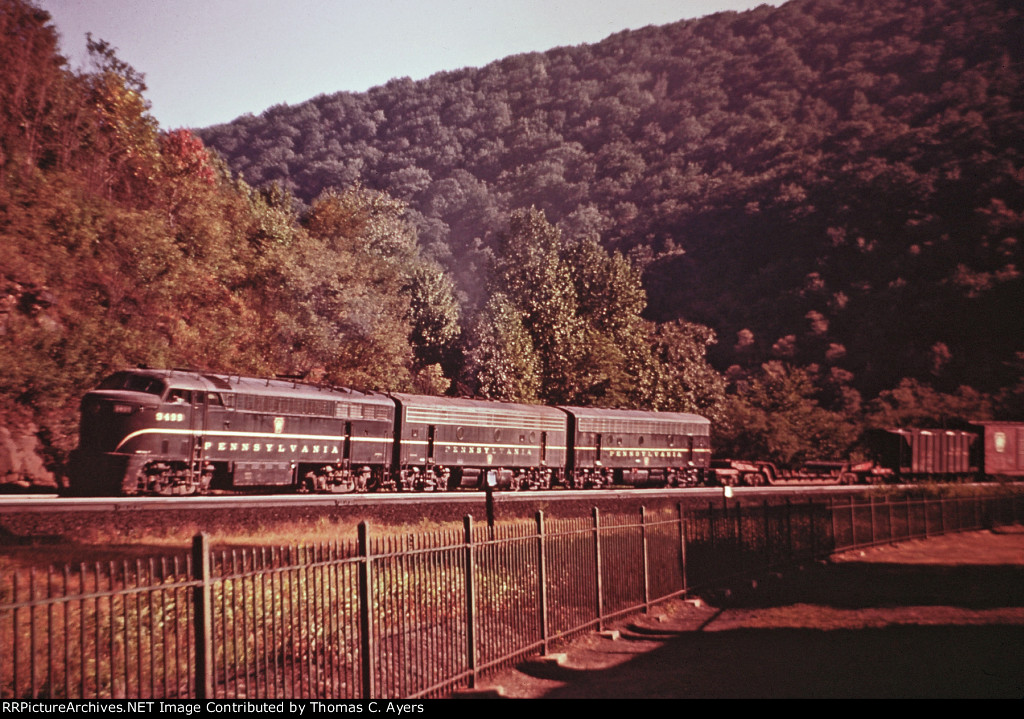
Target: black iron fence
{"type": "Point", "coordinates": [407, 616]}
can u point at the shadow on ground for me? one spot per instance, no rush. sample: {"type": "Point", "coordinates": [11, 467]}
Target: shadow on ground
{"type": "Point", "coordinates": [892, 662]}
{"type": "Point", "coordinates": [871, 628]}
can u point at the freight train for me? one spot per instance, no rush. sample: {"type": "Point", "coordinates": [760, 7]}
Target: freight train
{"type": "Point", "coordinates": [175, 432]}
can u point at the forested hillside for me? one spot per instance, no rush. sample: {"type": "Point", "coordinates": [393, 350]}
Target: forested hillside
{"type": "Point", "coordinates": [834, 184]}
{"type": "Point", "coordinates": [798, 221]}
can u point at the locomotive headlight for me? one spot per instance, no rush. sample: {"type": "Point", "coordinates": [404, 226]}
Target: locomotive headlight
{"type": "Point", "coordinates": [123, 409]}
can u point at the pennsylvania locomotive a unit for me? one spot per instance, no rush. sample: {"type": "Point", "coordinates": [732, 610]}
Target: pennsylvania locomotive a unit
{"type": "Point", "coordinates": [176, 432]}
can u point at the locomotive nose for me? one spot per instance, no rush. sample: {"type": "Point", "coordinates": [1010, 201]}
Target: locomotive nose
{"type": "Point", "coordinates": [106, 419]}
{"type": "Point", "coordinates": [108, 407]}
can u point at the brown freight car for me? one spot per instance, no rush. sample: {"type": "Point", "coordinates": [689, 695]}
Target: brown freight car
{"type": "Point", "coordinates": [917, 454]}
{"type": "Point", "coordinates": [1003, 446]}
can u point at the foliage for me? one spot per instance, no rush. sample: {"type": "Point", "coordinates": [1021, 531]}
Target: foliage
{"type": "Point", "coordinates": [386, 308]}
{"type": "Point", "coordinates": [501, 361]}
{"type": "Point", "coordinates": [563, 325]}
{"type": "Point", "coordinates": [840, 180]}
{"type": "Point", "coordinates": [913, 404]}
{"type": "Point", "coordinates": [775, 417]}
{"type": "Point", "coordinates": [684, 381]}
{"type": "Point", "coordinates": [126, 245]}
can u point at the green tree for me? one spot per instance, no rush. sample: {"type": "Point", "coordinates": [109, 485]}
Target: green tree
{"type": "Point", "coordinates": [776, 417]}
{"type": "Point", "coordinates": [915, 404]}
{"type": "Point", "coordinates": [32, 81]}
{"type": "Point", "coordinates": [501, 361]}
{"type": "Point", "coordinates": [529, 271]}
{"type": "Point", "coordinates": [684, 380]}
{"type": "Point", "coordinates": [580, 307]}
{"type": "Point", "coordinates": [434, 311]}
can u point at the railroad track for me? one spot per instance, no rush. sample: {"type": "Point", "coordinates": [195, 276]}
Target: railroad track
{"type": "Point", "coordinates": [51, 503]}
{"type": "Point", "coordinates": [49, 518]}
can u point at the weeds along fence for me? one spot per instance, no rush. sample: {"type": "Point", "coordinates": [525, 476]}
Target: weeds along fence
{"type": "Point", "coordinates": [417, 615]}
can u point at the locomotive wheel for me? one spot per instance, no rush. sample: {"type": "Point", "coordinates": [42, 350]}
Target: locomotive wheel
{"type": "Point", "coordinates": [168, 482]}
{"type": "Point", "coordinates": [754, 479]}
{"type": "Point", "coordinates": [174, 489]}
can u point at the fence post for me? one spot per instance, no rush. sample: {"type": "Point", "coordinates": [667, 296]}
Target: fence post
{"type": "Point", "coordinates": [924, 505]}
{"type": "Point", "coordinates": [739, 530]}
{"type": "Point", "coordinates": [832, 524]}
{"type": "Point", "coordinates": [711, 524]}
{"type": "Point", "coordinates": [542, 580]}
{"type": "Point", "coordinates": [871, 508]}
{"type": "Point", "coordinates": [682, 547]}
{"type": "Point", "coordinates": [766, 531]}
{"type": "Point", "coordinates": [470, 600]}
{"type": "Point", "coordinates": [789, 528]}
{"type": "Point", "coordinates": [203, 598]}
{"type": "Point", "coordinates": [646, 568]}
{"type": "Point", "coordinates": [598, 599]}
{"type": "Point", "coordinates": [853, 524]}
{"type": "Point", "coordinates": [366, 612]}
{"type": "Point", "coordinates": [814, 543]}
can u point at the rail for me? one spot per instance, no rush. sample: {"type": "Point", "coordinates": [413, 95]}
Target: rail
{"type": "Point", "coordinates": [418, 615]}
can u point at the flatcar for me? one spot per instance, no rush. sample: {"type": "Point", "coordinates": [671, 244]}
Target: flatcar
{"type": "Point", "coordinates": [635, 448]}
{"type": "Point", "coordinates": [175, 433]}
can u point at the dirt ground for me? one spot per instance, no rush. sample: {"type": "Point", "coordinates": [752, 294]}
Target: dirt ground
{"type": "Point", "coordinates": [935, 618]}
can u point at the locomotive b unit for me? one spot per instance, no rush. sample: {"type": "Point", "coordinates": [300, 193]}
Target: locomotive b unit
{"type": "Point", "coordinates": [450, 443]}
{"type": "Point", "coordinates": [635, 448]}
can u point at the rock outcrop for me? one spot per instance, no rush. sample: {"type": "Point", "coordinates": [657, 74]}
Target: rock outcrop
{"type": "Point", "coordinates": [21, 462]}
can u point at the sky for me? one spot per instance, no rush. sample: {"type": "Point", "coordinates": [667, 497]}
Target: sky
{"type": "Point", "coordinates": [209, 61]}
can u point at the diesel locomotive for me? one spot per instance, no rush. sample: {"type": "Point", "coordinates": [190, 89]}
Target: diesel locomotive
{"type": "Point", "coordinates": [176, 432]}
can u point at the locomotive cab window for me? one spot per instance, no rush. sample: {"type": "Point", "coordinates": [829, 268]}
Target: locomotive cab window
{"type": "Point", "coordinates": [180, 396]}
{"type": "Point", "coordinates": [133, 383]}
